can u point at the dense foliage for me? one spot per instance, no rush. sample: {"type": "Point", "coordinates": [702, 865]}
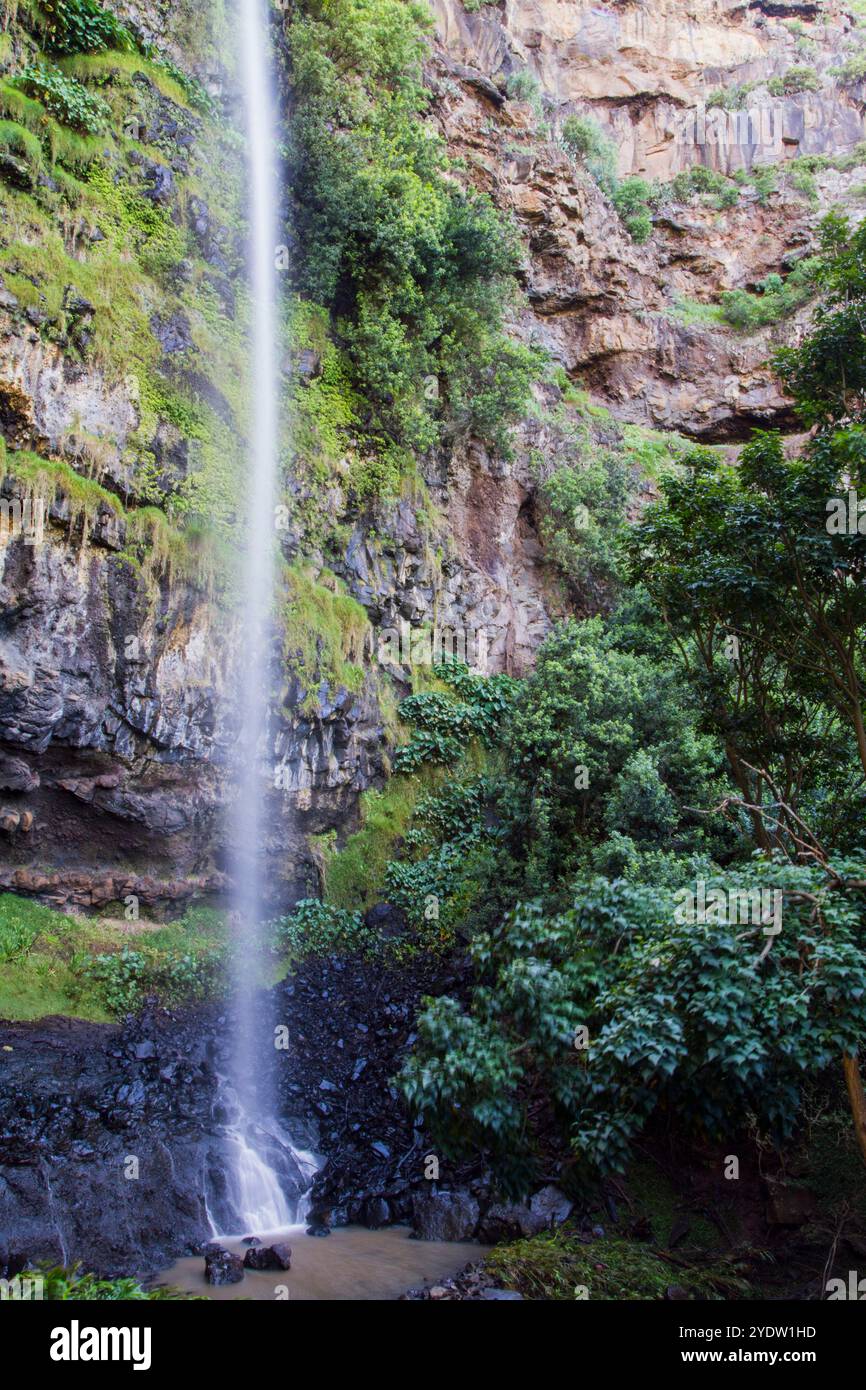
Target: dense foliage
{"type": "Point", "coordinates": [702, 744]}
{"type": "Point", "coordinates": [614, 1010]}
{"type": "Point", "coordinates": [416, 270]}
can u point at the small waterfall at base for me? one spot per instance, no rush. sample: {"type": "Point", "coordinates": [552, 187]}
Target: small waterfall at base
{"type": "Point", "coordinates": [262, 1165]}
{"type": "Point", "coordinates": [260, 1157]}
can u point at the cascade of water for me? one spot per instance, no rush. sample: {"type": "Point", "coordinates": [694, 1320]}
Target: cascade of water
{"type": "Point", "coordinates": [252, 1134]}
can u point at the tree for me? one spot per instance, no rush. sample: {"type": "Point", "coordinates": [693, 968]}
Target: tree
{"type": "Point", "coordinates": [759, 571]}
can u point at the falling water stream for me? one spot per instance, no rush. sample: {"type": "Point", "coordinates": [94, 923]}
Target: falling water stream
{"type": "Point", "coordinates": [254, 1139]}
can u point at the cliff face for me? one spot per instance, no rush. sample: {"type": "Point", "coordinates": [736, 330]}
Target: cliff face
{"type": "Point", "coordinates": [122, 405]}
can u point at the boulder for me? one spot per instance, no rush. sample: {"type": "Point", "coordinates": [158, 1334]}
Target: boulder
{"type": "Point", "coordinates": [222, 1267]}
{"type": "Point", "coordinates": [277, 1256]}
{"type": "Point", "coordinates": [547, 1208]}
{"type": "Point", "coordinates": [375, 1213]}
{"type": "Point", "coordinates": [445, 1216]}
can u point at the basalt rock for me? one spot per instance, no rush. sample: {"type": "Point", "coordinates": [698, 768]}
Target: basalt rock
{"type": "Point", "coordinates": [222, 1267]}
{"type": "Point", "coordinates": [277, 1256]}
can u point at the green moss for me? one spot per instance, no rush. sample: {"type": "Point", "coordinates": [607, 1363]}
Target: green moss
{"type": "Point", "coordinates": [17, 140]}
{"type": "Point", "coordinates": [354, 875]}
{"type": "Point", "coordinates": [324, 631]}
{"type": "Point", "coordinates": [562, 1267]}
{"type": "Point", "coordinates": [47, 479]}
{"type": "Point", "coordinates": [193, 554]}
{"type": "Point", "coordinates": [108, 67]}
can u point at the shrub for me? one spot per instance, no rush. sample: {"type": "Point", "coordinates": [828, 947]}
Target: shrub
{"type": "Point", "coordinates": [852, 70]}
{"type": "Point", "coordinates": [776, 298]}
{"type": "Point", "coordinates": [314, 928]}
{"type": "Point", "coordinates": [524, 86]}
{"type": "Point", "coordinates": [585, 140]}
{"type": "Point", "coordinates": [631, 200]}
{"type": "Point", "coordinates": [796, 79]}
{"type": "Point", "coordinates": [80, 26]}
{"type": "Point", "coordinates": [732, 98]}
{"type": "Point", "coordinates": [704, 1020]}
{"type": "Point", "coordinates": [65, 97]}
{"type": "Point", "coordinates": [129, 977]}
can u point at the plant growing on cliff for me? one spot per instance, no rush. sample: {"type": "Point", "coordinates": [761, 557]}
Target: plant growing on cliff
{"type": "Point", "coordinates": [631, 198]}
{"type": "Point", "coordinates": [826, 373]}
{"type": "Point", "coordinates": [417, 271]}
{"type": "Point", "coordinates": [79, 26]}
{"type": "Point", "coordinates": [444, 725]}
{"type": "Point", "coordinates": [795, 80]}
{"type": "Point", "coordinates": [65, 97]}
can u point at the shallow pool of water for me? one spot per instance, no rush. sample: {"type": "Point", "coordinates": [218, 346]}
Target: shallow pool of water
{"type": "Point", "coordinates": [350, 1263]}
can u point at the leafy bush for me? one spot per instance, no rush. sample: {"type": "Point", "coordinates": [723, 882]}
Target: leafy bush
{"type": "Point", "coordinates": [631, 200]}
{"type": "Point", "coordinates": [777, 297]}
{"type": "Point", "coordinates": [416, 270]}
{"type": "Point", "coordinates": [523, 85]}
{"type": "Point", "coordinates": [581, 512]}
{"type": "Point", "coordinates": [80, 26]}
{"type": "Point", "coordinates": [314, 928]}
{"type": "Point", "coordinates": [61, 1283]}
{"type": "Point", "coordinates": [853, 70]}
{"type": "Point", "coordinates": [65, 97]}
{"type": "Point", "coordinates": [128, 978]}
{"type": "Point", "coordinates": [602, 737]}
{"type": "Point", "coordinates": [705, 1021]}
{"type": "Point", "coordinates": [702, 181]}
{"type": "Point", "coordinates": [796, 79]}
{"type": "Point", "coordinates": [731, 98]}
{"type": "Point", "coordinates": [584, 138]}
{"type": "Point", "coordinates": [444, 725]}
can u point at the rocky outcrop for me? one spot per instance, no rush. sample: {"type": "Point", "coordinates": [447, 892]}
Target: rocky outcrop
{"type": "Point", "coordinates": [609, 311]}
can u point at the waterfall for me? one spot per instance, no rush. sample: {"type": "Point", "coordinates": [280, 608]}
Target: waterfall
{"type": "Point", "coordinates": [256, 1148]}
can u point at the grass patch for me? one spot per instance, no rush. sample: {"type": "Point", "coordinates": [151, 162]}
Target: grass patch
{"type": "Point", "coordinates": [696, 314]}
{"type": "Point", "coordinates": [561, 1267]}
{"type": "Point", "coordinates": [46, 960]}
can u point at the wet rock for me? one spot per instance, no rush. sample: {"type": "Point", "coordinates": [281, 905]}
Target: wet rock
{"type": "Point", "coordinates": [277, 1256]}
{"type": "Point", "coordinates": [512, 1220]}
{"type": "Point", "coordinates": [375, 1213]}
{"type": "Point", "coordinates": [445, 1216]}
{"type": "Point", "coordinates": [173, 333]}
{"type": "Point", "coordinates": [386, 919]}
{"type": "Point", "coordinates": [222, 1267]}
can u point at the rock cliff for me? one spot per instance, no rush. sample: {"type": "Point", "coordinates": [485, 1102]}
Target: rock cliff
{"type": "Point", "coordinates": [122, 405]}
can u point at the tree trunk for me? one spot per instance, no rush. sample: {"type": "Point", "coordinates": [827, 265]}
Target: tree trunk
{"type": "Point", "coordinates": [857, 1097]}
